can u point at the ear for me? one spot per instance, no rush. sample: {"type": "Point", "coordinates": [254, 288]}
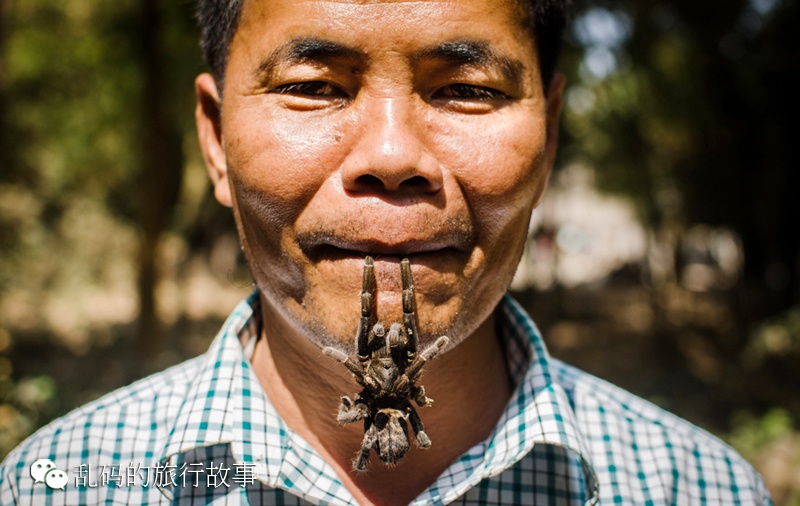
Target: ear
{"type": "Point", "coordinates": [554, 101]}
{"type": "Point", "coordinates": [208, 116]}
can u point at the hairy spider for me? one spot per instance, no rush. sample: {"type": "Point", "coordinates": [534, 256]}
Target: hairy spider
{"type": "Point", "coordinates": [387, 366]}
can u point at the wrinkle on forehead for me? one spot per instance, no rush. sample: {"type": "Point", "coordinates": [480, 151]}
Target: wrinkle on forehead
{"type": "Point", "coordinates": [260, 13]}
{"type": "Point", "coordinates": [518, 7]}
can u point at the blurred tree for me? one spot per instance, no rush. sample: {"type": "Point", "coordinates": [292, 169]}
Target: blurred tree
{"type": "Point", "coordinates": [6, 228]}
{"type": "Point", "coordinates": [4, 163]}
{"type": "Point", "coordinates": [687, 109]}
{"type": "Point", "coordinates": [98, 113]}
{"type": "Point", "coordinates": [161, 167]}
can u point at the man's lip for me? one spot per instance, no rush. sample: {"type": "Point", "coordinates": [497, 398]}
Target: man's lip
{"type": "Point", "coordinates": [324, 243]}
{"type": "Point", "coordinates": [378, 250]}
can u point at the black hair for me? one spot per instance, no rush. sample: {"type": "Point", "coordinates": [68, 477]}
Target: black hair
{"type": "Point", "coordinates": [218, 21]}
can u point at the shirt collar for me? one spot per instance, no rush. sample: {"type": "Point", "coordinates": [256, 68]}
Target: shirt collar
{"type": "Point", "coordinates": [212, 406]}
{"type": "Point", "coordinates": [539, 412]}
{"type": "Point", "coordinates": [226, 404]}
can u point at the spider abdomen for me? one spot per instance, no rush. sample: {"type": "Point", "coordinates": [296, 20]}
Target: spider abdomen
{"type": "Point", "coordinates": [392, 442]}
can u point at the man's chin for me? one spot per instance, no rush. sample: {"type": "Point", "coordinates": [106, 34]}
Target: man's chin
{"type": "Point", "coordinates": [325, 306]}
{"type": "Point", "coordinates": [436, 275]}
{"type": "Point", "coordinates": [331, 319]}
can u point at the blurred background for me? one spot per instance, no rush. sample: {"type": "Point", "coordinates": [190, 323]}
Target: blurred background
{"type": "Point", "coordinates": [665, 257]}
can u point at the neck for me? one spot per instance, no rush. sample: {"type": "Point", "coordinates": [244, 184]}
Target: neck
{"type": "Point", "coordinates": [469, 384]}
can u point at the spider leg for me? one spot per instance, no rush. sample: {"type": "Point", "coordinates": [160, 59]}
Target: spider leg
{"type": "Point", "coordinates": [394, 338]}
{"type": "Point", "coordinates": [422, 400]}
{"type": "Point", "coordinates": [370, 438]}
{"type": "Point", "coordinates": [367, 287]}
{"type": "Point", "coordinates": [349, 412]}
{"type": "Point", "coordinates": [428, 353]}
{"type": "Point", "coordinates": [377, 340]}
{"type": "Point", "coordinates": [414, 368]}
{"type": "Point", "coordinates": [423, 441]}
{"type": "Point", "coordinates": [409, 309]}
{"type": "Point", "coordinates": [348, 362]}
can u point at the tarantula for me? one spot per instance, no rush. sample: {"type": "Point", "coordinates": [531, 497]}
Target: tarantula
{"type": "Point", "coordinates": [387, 366]}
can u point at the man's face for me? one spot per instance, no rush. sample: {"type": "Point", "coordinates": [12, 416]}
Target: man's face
{"type": "Point", "coordinates": [393, 129]}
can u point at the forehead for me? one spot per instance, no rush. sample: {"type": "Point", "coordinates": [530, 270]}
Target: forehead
{"type": "Point", "coordinates": [392, 24]}
{"type": "Point", "coordinates": [517, 7]}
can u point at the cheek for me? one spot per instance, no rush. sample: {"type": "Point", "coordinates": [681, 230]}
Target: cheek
{"type": "Point", "coordinates": [263, 235]}
{"type": "Point", "coordinates": [284, 162]}
{"type": "Point", "coordinates": [500, 170]}
{"type": "Point", "coordinates": [276, 168]}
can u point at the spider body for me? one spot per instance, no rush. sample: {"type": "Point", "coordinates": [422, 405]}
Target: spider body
{"type": "Point", "coordinates": [387, 366]}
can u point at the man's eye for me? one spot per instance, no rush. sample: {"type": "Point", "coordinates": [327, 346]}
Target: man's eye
{"type": "Point", "coordinates": [310, 89]}
{"type": "Point", "coordinates": [469, 92]}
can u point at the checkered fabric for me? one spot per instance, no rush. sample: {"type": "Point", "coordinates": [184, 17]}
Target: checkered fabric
{"type": "Point", "coordinates": [204, 432]}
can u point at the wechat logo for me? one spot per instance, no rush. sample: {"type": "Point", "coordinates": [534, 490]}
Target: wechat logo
{"type": "Point", "coordinates": [45, 471]}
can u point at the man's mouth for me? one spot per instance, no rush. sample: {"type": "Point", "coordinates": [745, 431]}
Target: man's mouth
{"type": "Point", "coordinates": [323, 245]}
{"type": "Point", "coordinates": [378, 250]}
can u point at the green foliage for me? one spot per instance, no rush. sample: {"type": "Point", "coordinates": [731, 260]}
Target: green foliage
{"type": "Point", "coordinates": [74, 85]}
{"type": "Point", "coordinates": [74, 118]}
{"type": "Point", "coordinates": [775, 337]}
{"type": "Point", "coordinates": [752, 434]}
{"type": "Point", "coordinates": [772, 443]}
{"type": "Point", "coordinates": [683, 108]}
{"type": "Point", "coordinates": [24, 405]}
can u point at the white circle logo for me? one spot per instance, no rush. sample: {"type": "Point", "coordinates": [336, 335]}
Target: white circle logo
{"type": "Point", "coordinates": [40, 468]}
{"type": "Point", "coordinates": [56, 478]}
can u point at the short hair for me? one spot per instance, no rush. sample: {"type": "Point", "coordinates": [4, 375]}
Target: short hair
{"type": "Point", "coordinates": [219, 19]}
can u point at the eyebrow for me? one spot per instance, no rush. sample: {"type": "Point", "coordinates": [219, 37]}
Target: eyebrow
{"type": "Point", "coordinates": [302, 50]}
{"type": "Point", "coordinates": [475, 53]}
{"type": "Point", "coordinates": [458, 52]}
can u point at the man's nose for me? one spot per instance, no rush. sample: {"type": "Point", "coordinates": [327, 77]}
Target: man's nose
{"type": "Point", "coordinates": [390, 155]}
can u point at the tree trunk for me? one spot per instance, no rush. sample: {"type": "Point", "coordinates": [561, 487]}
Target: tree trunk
{"type": "Point", "coordinates": [160, 174]}
{"type": "Point", "coordinates": [4, 144]}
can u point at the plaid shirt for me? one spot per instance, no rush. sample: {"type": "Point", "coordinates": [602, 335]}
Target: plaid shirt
{"type": "Point", "coordinates": [205, 432]}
